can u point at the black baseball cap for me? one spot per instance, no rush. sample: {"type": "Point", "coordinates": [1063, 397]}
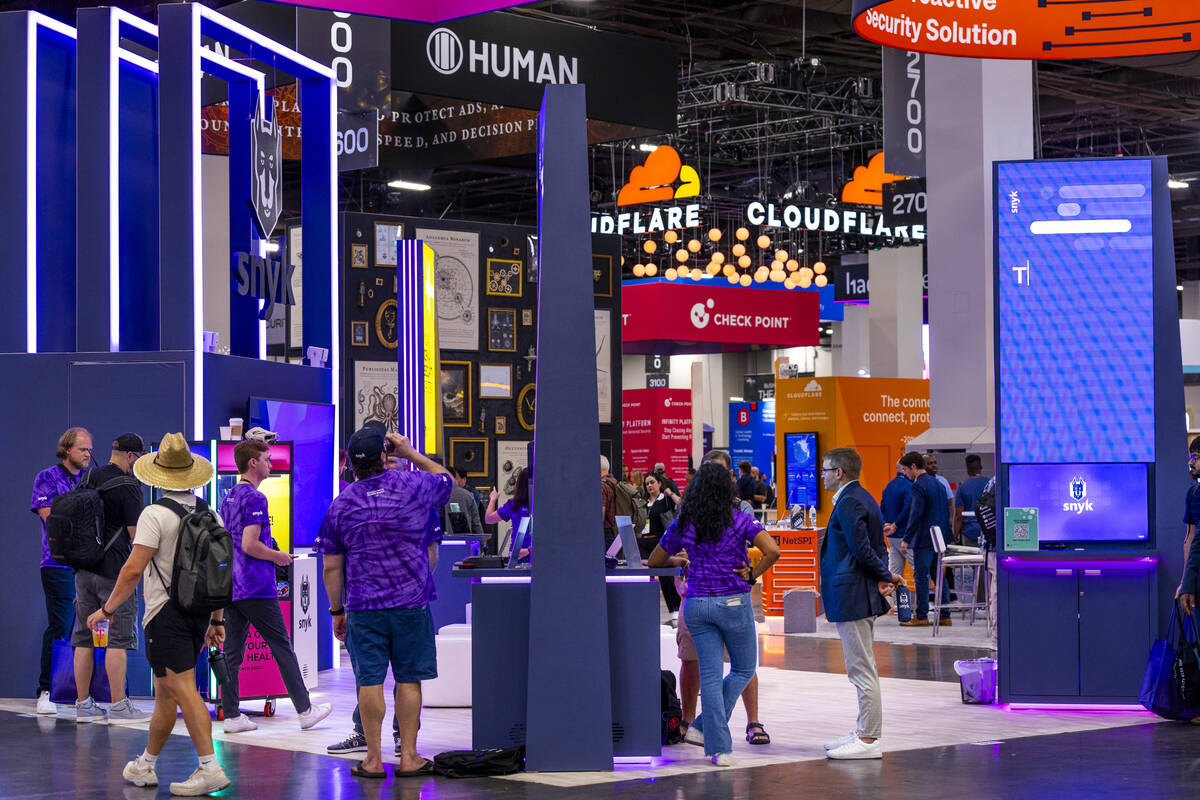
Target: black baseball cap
{"type": "Point", "coordinates": [366, 444]}
{"type": "Point", "coordinates": [129, 443]}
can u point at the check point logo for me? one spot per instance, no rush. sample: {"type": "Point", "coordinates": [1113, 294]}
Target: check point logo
{"type": "Point", "coordinates": [700, 315]}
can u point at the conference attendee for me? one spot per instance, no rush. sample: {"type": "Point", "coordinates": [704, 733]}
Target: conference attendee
{"type": "Point", "coordinates": [893, 508]}
{"type": "Point", "coordinates": [1188, 589]}
{"type": "Point", "coordinates": [718, 610]}
{"type": "Point", "coordinates": [461, 512]}
{"type": "Point", "coordinates": [966, 527]}
{"type": "Point", "coordinates": [747, 485]}
{"type": "Point", "coordinates": [660, 510]}
{"type": "Point", "coordinates": [926, 508]}
{"type": "Point", "coordinates": [174, 637]}
{"type": "Point", "coordinates": [121, 495]}
{"type": "Point", "coordinates": [74, 453]}
{"type": "Point", "coordinates": [376, 539]}
{"type": "Point", "coordinates": [931, 466]}
{"type": "Point", "coordinates": [660, 469]}
{"type": "Point", "coordinates": [855, 580]}
{"type": "Point", "coordinates": [255, 597]}
{"type": "Point", "coordinates": [608, 504]}
{"type": "Point", "coordinates": [638, 479]}
{"type": "Point", "coordinates": [514, 510]}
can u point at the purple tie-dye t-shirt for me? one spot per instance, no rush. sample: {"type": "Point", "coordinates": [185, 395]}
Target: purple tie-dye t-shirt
{"type": "Point", "coordinates": [711, 565]}
{"type": "Point", "coordinates": [252, 577]}
{"type": "Point", "coordinates": [381, 526]}
{"type": "Point", "coordinates": [49, 484]}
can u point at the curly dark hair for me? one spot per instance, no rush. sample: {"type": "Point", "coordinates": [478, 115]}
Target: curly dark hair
{"type": "Point", "coordinates": [708, 503]}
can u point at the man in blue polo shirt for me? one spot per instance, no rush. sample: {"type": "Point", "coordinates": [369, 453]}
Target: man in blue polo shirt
{"type": "Point", "coordinates": [893, 508]}
{"type": "Point", "coordinates": [375, 539]}
{"type": "Point", "coordinates": [926, 508]}
{"type": "Point", "coordinates": [966, 528]}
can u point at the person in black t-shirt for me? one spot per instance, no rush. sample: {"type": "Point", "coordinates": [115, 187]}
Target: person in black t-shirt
{"type": "Point", "coordinates": [122, 505]}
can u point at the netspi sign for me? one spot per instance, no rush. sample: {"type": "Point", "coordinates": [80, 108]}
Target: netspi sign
{"type": "Point", "coordinates": [724, 315]}
{"type": "Point", "coordinates": [1029, 28]}
{"type": "Point", "coordinates": [846, 221]}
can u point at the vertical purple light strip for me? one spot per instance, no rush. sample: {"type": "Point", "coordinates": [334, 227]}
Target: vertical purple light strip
{"type": "Point", "coordinates": [410, 351]}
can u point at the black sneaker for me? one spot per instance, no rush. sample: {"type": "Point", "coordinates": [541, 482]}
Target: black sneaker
{"type": "Point", "coordinates": [354, 743]}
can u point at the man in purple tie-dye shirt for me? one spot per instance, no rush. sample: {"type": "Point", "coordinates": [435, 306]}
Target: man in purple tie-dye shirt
{"type": "Point", "coordinates": [58, 582]}
{"type": "Point", "coordinates": [376, 541]}
{"type": "Point", "coordinates": [255, 598]}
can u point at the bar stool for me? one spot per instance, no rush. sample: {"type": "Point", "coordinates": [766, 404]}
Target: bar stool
{"type": "Point", "coordinates": [971, 558]}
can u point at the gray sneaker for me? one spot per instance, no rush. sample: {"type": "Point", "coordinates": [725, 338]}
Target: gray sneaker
{"type": "Point", "coordinates": [88, 711]}
{"type": "Point", "coordinates": [126, 711]}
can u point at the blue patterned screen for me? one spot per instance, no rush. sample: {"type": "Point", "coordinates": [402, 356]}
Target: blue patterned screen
{"type": "Point", "coordinates": [1075, 257]}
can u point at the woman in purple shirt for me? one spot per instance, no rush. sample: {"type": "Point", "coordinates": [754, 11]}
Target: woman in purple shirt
{"type": "Point", "coordinates": [516, 509]}
{"type": "Point", "coordinates": [717, 610]}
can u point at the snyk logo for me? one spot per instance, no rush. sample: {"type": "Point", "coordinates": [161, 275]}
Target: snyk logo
{"type": "Point", "coordinates": [447, 54]}
{"type": "Point", "coordinates": [266, 196]}
{"type": "Point", "coordinates": [700, 316]}
{"type": "Point", "coordinates": [1079, 502]}
{"type": "Point", "coordinates": [304, 595]}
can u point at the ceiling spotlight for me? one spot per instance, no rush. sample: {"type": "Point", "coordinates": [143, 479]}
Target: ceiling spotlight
{"type": "Point", "coordinates": [411, 185]}
{"type": "Point", "coordinates": [647, 148]}
{"type": "Point", "coordinates": [1176, 183]}
{"type": "Point", "coordinates": [1179, 287]}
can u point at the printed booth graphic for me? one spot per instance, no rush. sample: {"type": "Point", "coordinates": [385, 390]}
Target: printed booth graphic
{"type": "Point", "coordinates": [657, 426]}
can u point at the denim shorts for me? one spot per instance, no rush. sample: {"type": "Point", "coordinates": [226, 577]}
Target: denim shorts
{"type": "Point", "coordinates": [402, 637]}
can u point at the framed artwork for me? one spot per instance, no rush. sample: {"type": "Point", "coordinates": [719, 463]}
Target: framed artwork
{"type": "Point", "coordinates": [470, 454]}
{"type": "Point", "coordinates": [359, 336]}
{"type": "Point", "coordinates": [531, 266]}
{"type": "Point", "coordinates": [502, 330]}
{"type": "Point", "coordinates": [501, 426]}
{"type": "Point", "coordinates": [504, 277]}
{"type": "Point", "coordinates": [456, 272]}
{"type": "Point", "coordinates": [495, 381]}
{"type": "Point", "coordinates": [456, 394]}
{"type": "Point", "coordinates": [386, 332]}
{"type": "Point", "coordinates": [375, 393]}
{"type": "Point", "coordinates": [386, 234]}
{"type": "Point", "coordinates": [526, 406]}
{"type": "Point", "coordinates": [527, 317]}
{"type": "Point", "coordinates": [602, 275]}
{"type": "Point", "coordinates": [358, 256]}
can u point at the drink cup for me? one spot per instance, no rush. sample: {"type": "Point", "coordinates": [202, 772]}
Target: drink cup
{"type": "Point", "coordinates": [235, 427]}
{"type": "Point", "coordinates": [226, 433]}
{"type": "Point", "coordinates": [100, 635]}
{"type": "Point", "coordinates": [216, 662]}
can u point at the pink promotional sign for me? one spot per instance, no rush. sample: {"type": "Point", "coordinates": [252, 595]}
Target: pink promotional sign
{"type": "Point", "coordinates": [414, 10]}
{"type": "Point", "coordinates": [259, 676]}
{"type": "Point", "coordinates": [721, 315]}
{"type": "Point", "coordinates": [657, 426]}
{"type": "Point", "coordinates": [281, 458]}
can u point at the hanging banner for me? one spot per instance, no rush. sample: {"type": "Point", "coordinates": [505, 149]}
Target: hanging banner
{"type": "Point", "coordinates": [656, 425]}
{"type": "Point", "coordinates": [904, 111]}
{"type": "Point", "coordinates": [664, 312]}
{"type": "Point", "coordinates": [1059, 29]}
{"type": "Point", "coordinates": [510, 59]}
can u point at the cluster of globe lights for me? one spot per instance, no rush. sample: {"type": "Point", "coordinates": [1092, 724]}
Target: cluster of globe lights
{"type": "Point", "coordinates": [782, 269]}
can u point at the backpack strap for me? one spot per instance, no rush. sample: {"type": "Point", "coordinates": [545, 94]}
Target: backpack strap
{"type": "Point", "coordinates": [182, 511]}
{"type": "Point", "coordinates": [120, 480]}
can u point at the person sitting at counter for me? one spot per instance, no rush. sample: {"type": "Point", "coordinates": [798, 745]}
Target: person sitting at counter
{"type": "Point", "coordinates": [718, 612]}
{"type": "Point", "coordinates": [514, 510]}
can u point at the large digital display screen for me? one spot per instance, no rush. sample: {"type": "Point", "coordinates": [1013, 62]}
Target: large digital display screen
{"type": "Point", "coordinates": [1084, 502]}
{"type": "Point", "coordinates": [801, 468]}
{"type": "Point", "coordinates": [309, 427]}
{"type": "Point", "coordinates": [1074, 253]}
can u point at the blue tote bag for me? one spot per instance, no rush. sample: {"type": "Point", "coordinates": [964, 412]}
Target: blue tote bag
{"type": "Point", "coordinates": [1161, 692]}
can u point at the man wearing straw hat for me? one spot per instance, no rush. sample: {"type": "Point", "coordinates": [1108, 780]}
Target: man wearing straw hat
{"type": "Point", "coordinates": [174, 638]}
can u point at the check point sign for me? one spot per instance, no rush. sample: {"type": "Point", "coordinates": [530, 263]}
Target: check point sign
{"type": "Point", "coordinates": [1032, 29]}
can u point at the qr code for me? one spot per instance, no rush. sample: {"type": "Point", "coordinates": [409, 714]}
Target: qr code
{"type": "Point", "coordinates": [1021, 530]}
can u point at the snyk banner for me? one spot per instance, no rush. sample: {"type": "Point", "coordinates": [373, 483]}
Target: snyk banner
{"type": "Point", "coordinates": [509, 60]}
{"type": "Point", "coordinates": [658, 312]}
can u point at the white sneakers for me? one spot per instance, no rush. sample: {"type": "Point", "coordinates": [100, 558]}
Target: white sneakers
{"type": "Point", "coordinates": [139, 773]}
{"type": "Point", "coordinates": [857, 748]}
{"type": "Point", "coordinates": [202, 781]}
{"type": "Point", "coordinates": [316, 712]}
{"type": "Point", "coordinates": [723, 760]}
{"type": "Point", "coordinates": [693, 736]}
{"type": "Point", "coordinates": [239, 724]}
{"type": "Point", "coordinates": [44, 706]}
{"type": "Point", "coordinates": [847, 739]}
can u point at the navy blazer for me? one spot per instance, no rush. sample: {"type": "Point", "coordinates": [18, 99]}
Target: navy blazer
{"type": "Point", "coordinates": [927, 505]}
{"type": "Point", "coordinates": [854, 558]}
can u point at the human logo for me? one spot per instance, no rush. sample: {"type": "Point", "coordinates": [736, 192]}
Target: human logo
{"type": "Point", "coordinates": [444, 50]}
{"type": "Point", "coordinates": [700, 315]}
{"type": "Point", "coordinates": [1079, 502]}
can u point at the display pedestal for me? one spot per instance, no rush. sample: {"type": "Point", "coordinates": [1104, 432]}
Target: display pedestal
{"type": "Point", "coordinates": [500, 659]}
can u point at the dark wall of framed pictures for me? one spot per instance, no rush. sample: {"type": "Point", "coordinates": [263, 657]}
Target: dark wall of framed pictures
{"type": "Point", "coordinates": [487, 300]}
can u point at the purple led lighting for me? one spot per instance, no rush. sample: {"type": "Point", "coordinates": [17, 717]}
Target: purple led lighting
{"type": "Point", "coordinates": [409, 350]}
{"type": "Point", "coordinates": [1143, 562]}
{"type": "Point", "coordinates": [414, 10]}
{"type": "Point", "coordinates": [1091, 708]}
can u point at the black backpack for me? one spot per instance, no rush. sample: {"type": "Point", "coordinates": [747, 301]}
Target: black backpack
{"type": "Point", "coordinates": [75, 527]}
{"type": "Point", "coordinates": [202, 575]}
{"type": "Point", "coordinates": [479, 763]}
{"type": "Point", "coordinates": [672, 710]}
{"type": "Point", "coordinates": [985, 514]}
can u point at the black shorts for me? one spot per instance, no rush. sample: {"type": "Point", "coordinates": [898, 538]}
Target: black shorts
{"type": "Point", "coordinates": [174, 640]}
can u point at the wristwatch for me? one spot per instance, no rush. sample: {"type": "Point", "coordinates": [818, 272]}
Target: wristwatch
{"type": "Point", "coordinates": [337, 613]}
{"type": "Point", "coordinates": [106, 612]}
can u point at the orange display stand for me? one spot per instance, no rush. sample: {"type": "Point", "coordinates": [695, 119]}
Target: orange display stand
{"type": "Point", "coordinates": [797, 567]}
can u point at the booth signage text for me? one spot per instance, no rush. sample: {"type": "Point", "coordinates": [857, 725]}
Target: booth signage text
{"type": "Point", "coordinates": [653, 221]}
{"type": "Point", "coordinates": [904, 110]}
{"type": "Point", "coordinates": [265, 278]}
{"type": "Point", "coordinates": [726, 315]}
{"type": "Point", "coordinates": [849, 221]}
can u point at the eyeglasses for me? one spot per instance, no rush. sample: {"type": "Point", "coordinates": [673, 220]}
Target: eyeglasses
{"type": "Point", "coordinates": [829, 469]}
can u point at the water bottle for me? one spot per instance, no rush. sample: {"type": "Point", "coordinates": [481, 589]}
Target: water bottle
{"type": "Point", "coordinates": [812, 517]}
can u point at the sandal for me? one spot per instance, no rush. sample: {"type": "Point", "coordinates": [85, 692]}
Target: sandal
{"type": "Point", "coordinates": [756, 734]}
{"type": "Point", "coordinates": [424, 769]}
{"type": "Point", "coordinates": [358, 772]}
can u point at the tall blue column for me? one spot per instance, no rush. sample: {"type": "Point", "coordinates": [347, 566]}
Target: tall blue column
{"type": "Point", "coordinates": [569, 676]}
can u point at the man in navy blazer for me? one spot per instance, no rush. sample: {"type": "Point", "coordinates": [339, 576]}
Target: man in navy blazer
{"type": "Point", "coordinates": [926, 508]}
{"type": "Point", "coordinates": [855, 579]}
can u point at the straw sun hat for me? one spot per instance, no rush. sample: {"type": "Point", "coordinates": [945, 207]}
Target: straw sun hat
{"type": "Point", "coordinates": [173, 466]}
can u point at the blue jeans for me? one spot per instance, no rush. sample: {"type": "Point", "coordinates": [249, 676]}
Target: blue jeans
{"type": "Point", "coordinates": [718, 624]}
{"type": "Point", "coordinates": [924, 563]}
{"type": "Point", "coordinates": [58, 584]}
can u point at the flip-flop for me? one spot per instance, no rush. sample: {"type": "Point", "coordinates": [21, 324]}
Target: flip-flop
{"type": "Point", "coordinates": [424, 769]}
{"type": "Point", "coordinates": [358, 772]}
{"type": "Point", "coordinates": [757, 734]}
